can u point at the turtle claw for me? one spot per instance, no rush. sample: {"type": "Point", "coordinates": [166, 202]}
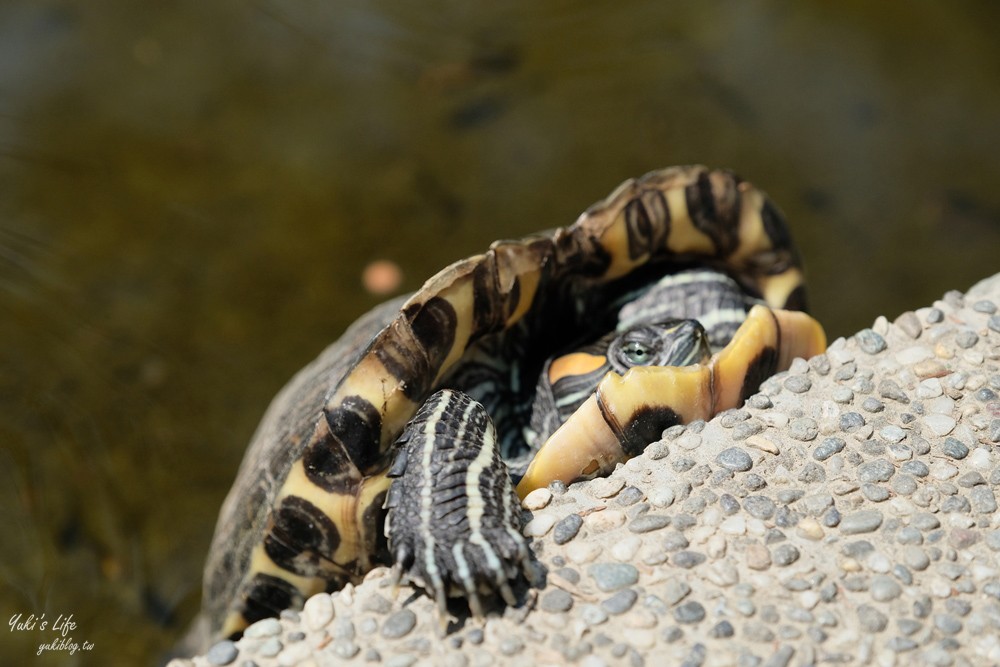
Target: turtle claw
{"type": "Point", "coordinates": [454, 523]}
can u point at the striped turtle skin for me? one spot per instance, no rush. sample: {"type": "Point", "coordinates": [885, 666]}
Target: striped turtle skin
{"type": "Point", "coordinates": [306, 511]}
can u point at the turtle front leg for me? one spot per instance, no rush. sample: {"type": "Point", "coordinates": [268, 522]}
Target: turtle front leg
{"type": "Point", "coordinates": [454, 521]}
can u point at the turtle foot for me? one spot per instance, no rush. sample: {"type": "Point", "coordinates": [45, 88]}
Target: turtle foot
{"type": "Point", "coordinates": [454, 522]}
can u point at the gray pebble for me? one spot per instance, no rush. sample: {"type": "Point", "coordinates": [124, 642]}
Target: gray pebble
{"type": "Point", "coordinates": [760, 402]}
{"type": "Point", "coordinates": [556, 601]}
{"type": "Point", "coordinates": [983, 500]}
{"type": "Point", "coordinates": [222, 653]}
{"type": "Point", "coordinates": [821, 364]}
{"type": "Point", "coordinates": [851, 421]}
{"type": "Point", "coordinates": [831, 518]}
{"type": "Point", "coordinates": [994, 323]}
{"type": "Point", "coordinates": [935, 316]}
{"type": "Point", "coordinates": [798, 384]}
{"type": "Point", "coordinates": [904, 485]}
{"type": "Point", "coordinates": [985, 394]}
{"type": "Point", "coordinates": [689, 612]}
{"type": "Point", "coordinates": [377, 604]}
{"type": "Point", "coordinates": [884, 589]}
{"type": "Point", "coordinates": [864, 521]}
{"type": "Point", "coordinates": [916, 468]}
{"type": "Point", "coordinates": [908, 626]}
{"type": "Point", "coordinates": [593, 615]}
{"type": "Point", "coordinates": [889, 389]}
{"type": "Point", "coordinates": [875, 492]}
{"type": "Point", "coordinates": [955, 448]}
{"type": "Point", "coordinates": [367, 626]}
{"type": "Point", "coordinates": [804, 429]}
{"type": "Point", "coordinates": [630, 495]}
{"type": "Point", "coordinates": [947, 624]}
{"type": "Point", "coordinates": [729, 504]}
{"type": "Point", "coordinates": [613, 576]}
{"type": "Point", "coordinates": [296, 636]}
{"type": "Point", "coordinates": [403, 660]}
{"type": "Point", "coordinates": [903, 574]}
{"type": "Point", "coordinates": [879, 470]}
{"type": "Point", "coordinates": [846, 372]}
{"type": "Point", "coordinates": [910, 324]}
{"type": "Point", "coordinates": [784, 555]}
{"type": "Point", "coordinates": [842, 395]}
{"type": "Point", "coordinates": [984, 306]}
{"type": "Point", "coordinates": [901, 644]}
{"type": "Point", "coordinates": [872, 404]}
{"type": "Point", "coordinates": [871, 619]}
{"type": "Point", "coordinates": [270, 648]}
{"type": "Point", "coordinates": [958, 504]}
{"type": "Point", "coordinates": [958, 606]}
{"type": "Point", "coordinates": [735, 458]}
{"type": "Point", "coordinates": [745, 429]}
{"type": "Point", "coordinates": [909, 535]}
{"type": "Point", "coordinates": [892, 433]}
{"type": "Point", "coordinates": [687, 559]}
{"type": "Point", "coordinates": [966, 339]}
{"type": "Point", "coordinates": [731, 418]}
{"type": "Point", "coordinates": [620, 602]}
{"type": "Point", "coordinates": [869, 341]}
{"type": "Point", "coordinates": [399, 624]}
{"type": "Point", "coordinates": [760, 507]}
{"type": "Point", "coordinates": [830, 446]}
{"type": "Point", "coordinates": [812, 473]}
{"type": "Point", "coordinates": [345, 649]}
{"type": "Point", "coordinates": [649, 522]}
{"type": "Point", "coordinates": [722, 630]}
{"type": "Point", "coordinates": [674, 591]}
{"type": "Point", "coordinates": [567, 528]}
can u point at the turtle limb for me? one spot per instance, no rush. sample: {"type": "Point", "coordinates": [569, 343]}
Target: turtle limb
{"type": "Point", "coordinates": [627, 412]}
{"type": "Point", "coordinates": [454, 522]}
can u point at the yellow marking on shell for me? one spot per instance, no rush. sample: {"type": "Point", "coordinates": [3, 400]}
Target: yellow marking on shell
{"type": "Point", "coordinates": [777, 288]}
{"type": "Point", "coordinates": [730, 365]}
{"type": "Point", "coordinates": [687, 390]}
{"type": "Point", "coordinates": [753, 238]}
{"type": "Point", "coordinates": [575, 363]}
{"type": "Point", "coordinates": [614, 240]}
{"type": "Point", "coordinates": [516, 263]}
{"type": "Point", "coordinates": [684, 236]}
{"type": "Point", "coordinates": [801, 336]}
{"type": "Point", "coordinates": [461, 296]}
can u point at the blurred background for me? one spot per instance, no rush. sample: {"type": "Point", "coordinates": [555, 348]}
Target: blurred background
{"type": "Point", "coordinates": [190, 192]}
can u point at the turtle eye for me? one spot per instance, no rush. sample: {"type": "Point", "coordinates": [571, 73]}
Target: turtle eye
{"type": "Point", "coordinates": [637, 353]}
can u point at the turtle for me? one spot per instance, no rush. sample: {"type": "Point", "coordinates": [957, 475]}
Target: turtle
{"type": "Point", "coordinates": [547, 359]}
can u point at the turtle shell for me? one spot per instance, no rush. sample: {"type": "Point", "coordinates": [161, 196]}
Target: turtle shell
{"type": "Point", "coordinates": [303, 515]}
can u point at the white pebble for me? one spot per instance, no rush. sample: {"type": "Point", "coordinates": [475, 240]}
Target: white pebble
{"type": "Point", "coordinates": [537, 499]}
{"type": "Point", "coordinates": [980, 459]}
{"type": "Point", "coordinates": [912, 355]}
{"type": "Point", "coordinates": [808, 599]}
{"type": "Point", "coordinates": [540, 525]}
{"type": "Point", "coordinates": [318, 611]}
{"type": "Point", "coordinates": [939, 424]}
{"type": "Point", "coordinates": [929, 388]}
{"type": "Point", "coordinates": [942, 470]}
{"type": "Point", "coordinates": [580, 552]}
{"type": "Point", "coordinates": [734, 525]}
{"type": "Point", "coordinates": [879, 563]}
{"type": "Point", "coordinates": [716, 546]}
{"type": "Point", "coordinates": [942, 405]}
{"type": "Point", "coordinates": [661, 497]}
{"type": "Point", "coordinates": [625, 549]}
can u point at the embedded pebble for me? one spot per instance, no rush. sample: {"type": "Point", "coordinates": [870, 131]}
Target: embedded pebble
{"type": "Point", "coordinates": [567, 528]}
{"type": "Point", "coordinates": [537, 499]}
{"type": "Point", "coordinates": [864, 521]}
{"type": "Point", "coordinates": [939, 424]}
{"type": "Point", "coordinates": [870, 342]}
{"type": "Point", "coordinates": [399, 624]}
{"type": "Point", "coordinates": [612, 576]}
{"type": "Point", "coordinates": [318, 611]}
{"type": "Point", "coordinates": [556, 601]}
{"type": "Point", "coordinates": [222, 653]}
{"type": "Point", "coordinates": [735, 458]}
{"type": "Point", "coordinates": [689, 612]}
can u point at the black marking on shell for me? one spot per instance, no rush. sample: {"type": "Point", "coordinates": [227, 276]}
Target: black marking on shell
{"type": "Point", "coordinates": [647, 223]}
{"type": "Point", "coordinates": [433, 326]}
{"type": "Point", "coordinates": [301, 538]}
{"type": "Point", "coordinates": [329, 466]}
{"type": "Point", "coordinates": [646, 426]}
{"type": "Point", "coordinates": [707, 217]}
{"type": "Point", "coordinates": [266, 596]}
{"type": "Point", "coordinates": [762, 367]}
{"type": "Point", "coordinates": [797, 300]}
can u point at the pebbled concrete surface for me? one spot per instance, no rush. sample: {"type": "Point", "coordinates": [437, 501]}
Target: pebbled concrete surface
{"type": "Point", "coordinates": [847, 515]}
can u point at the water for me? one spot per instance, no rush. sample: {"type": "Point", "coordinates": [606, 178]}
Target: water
{"type": "Point", "coordinates": [189, 193]}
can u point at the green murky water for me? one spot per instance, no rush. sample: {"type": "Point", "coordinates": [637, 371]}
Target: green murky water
{"type": "Point", "coordinates": [189, 192]}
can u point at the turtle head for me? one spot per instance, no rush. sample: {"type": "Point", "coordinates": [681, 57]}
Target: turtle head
{"type": "Point", "coordinates": [670, 343]}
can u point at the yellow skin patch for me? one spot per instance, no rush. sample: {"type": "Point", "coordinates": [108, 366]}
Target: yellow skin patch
{"type": "Point", "coordinates": [514, 273]}
{"type": "Point", "coordinates": [574, 363]}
